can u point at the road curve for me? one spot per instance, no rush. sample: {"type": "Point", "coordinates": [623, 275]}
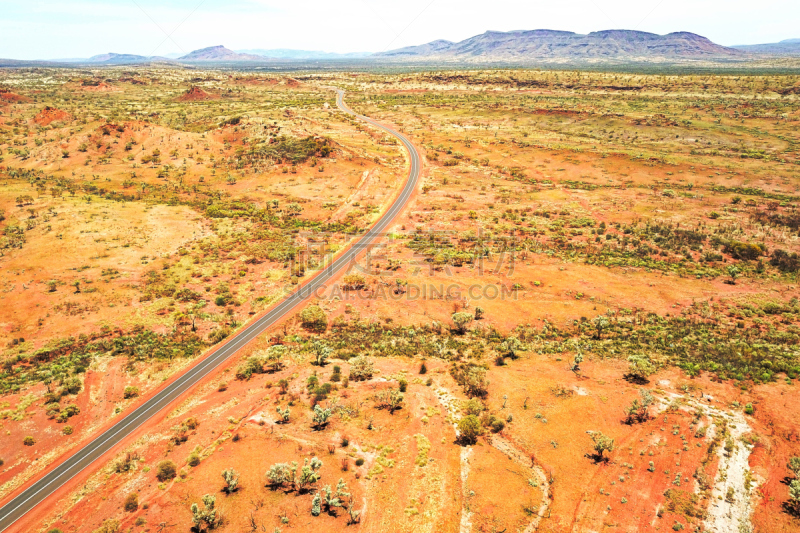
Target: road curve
{"type": "Point", "coordinates": [83, 458]}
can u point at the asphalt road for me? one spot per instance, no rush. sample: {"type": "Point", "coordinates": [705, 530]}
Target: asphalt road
{"type": "Point", "coordinates": [83, 458]}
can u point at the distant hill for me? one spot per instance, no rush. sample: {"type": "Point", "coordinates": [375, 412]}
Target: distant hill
{"type": "Point", "coordinates": [218, 53]}
{"type": "Point", "coordinates": [788, 47]}
{"type": "Point", "coordinates": [533, 45]}
{"type": "Point", "coordinates": [124, 59]}
{"type": "Point", "coordinates": [113, 59]}
{"type": "Point", "coordinates": [433, 48]}
{"type": "Point", "coordinates": [286, 53]}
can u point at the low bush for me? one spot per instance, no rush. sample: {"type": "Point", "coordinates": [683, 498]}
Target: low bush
{"type": "Point", "coordinates": [132, 502]}
{"type": "Point", "coordinates": [166, 470]}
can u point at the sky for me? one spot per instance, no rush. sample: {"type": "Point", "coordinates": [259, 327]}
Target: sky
{"type": "Point", "coordinates": [51, 29]}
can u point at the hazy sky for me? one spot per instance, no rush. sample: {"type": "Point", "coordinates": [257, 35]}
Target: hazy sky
{"type": "Point", "coordinates": [39, 29]}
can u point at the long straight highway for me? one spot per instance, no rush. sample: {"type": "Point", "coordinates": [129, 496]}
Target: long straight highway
{"type": "Point", "coordinates": [38, 492]}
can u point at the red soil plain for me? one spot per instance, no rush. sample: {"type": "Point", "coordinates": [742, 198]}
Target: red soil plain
{"type": "Point", "coordinates": [562, 226]}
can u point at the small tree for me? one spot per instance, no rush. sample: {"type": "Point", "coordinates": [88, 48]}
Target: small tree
{"type": "Point", "coordinates": [511, 346]}
{"type": "Point", "coordinates": [316, 507]}
{"type": "Point", "coordinates": [576, 363]}
{"type": "Point", "coordinates": [330, 501]}
{"type": "Point", "coordinates": [600, 323]}
{"type": "Point", "coordinates": [479, 313]}
{"type": "Point", "coordinates": [313, 318]}
{"type": "Point", "coordinates": [640, 367]}
{"type": "Point", "coordinates": [205, 518]}
{"type": "Point", "coordinates": [638, 410]}
{"type": "Point", "coordinates": [231, 478]}
{"type": "Point", "coordinates": [794, 466]}
{"type": "Point", "coordinates": [602, 444]}
{"type": "Point", "coordinates": [166, 470]}
{"type": "Point", "coordinates": [321, 353]}
{"type": "Point", "coordinates": [794, 493]}
{"type": "Point", "coordinates": [274, 357]}
{"type": "Point", "coordinates": [391, 399]}
{"type": "Point", "coordinates": [320, 417]}
{"type": "Point", "coordinates": [342, 491]}
{"type": "Point", "coordinates": [733, 272]}
{"type": "Point", "coordinates": [354, 516]}
{"type": "Point", "coordinates": [309, 474]}
{"type": "Point", "coordinates": [461, 320]}
{"type": "Point", "coordinates": [284, 414]}
{"type": "Point", "coordinates": [469, 429]}
{"type": "Point", "coordinates": [472, 378]}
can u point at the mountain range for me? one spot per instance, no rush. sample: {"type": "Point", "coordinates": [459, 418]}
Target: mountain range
{"type": "Point", "coordinates": [524, 46]}
{"type": "Point", "coordinates": [788, 47]}
{"type": "Point", "coordinates": [218, 54]}
{"type": "Point", "coordinates": [521, 46]}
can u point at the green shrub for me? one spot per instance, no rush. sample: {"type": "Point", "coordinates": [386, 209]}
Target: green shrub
{"type": "Point", "coordinates": [640, 367]}
{"type": "Point", "coordinates": [109, 526]}
{"type": "Point", "coordinates": [469, 429]}
{"type": "Point", "coordinates": [743, 250]}
{"type": "Point", "coordinates": [361, 368]}
{"type": "Point", "coordinates": [218, 335]}
{"type": "Point", "coordinates": [473, 407]}
{"type": "Point", "coordinates": [497, 425]}
{"type": "Point", "coordinates": [166, 470]}
{"type": "Point", "coordinates": [353, 282]}
{"type": "Point", "coordinates": [132, 502]}
{"type": "Point", "coordinates": [461, 321]}
{"type": "Point", "coordinates": [193, 459]}
{"type": "Point", "coordinates": [472, 378]}
{"type": "Point", "coordinates": [253, 365]}
{"type": "Point", "coordinates": [313, 318]}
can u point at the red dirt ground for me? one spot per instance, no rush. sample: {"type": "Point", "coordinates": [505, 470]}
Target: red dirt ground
{"type": "Point", "coordinates": [196, 94]}
{"type": "Point", "coordinates": [51, 114]}
{"type": "Point", "coordinates": [9, 97]}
